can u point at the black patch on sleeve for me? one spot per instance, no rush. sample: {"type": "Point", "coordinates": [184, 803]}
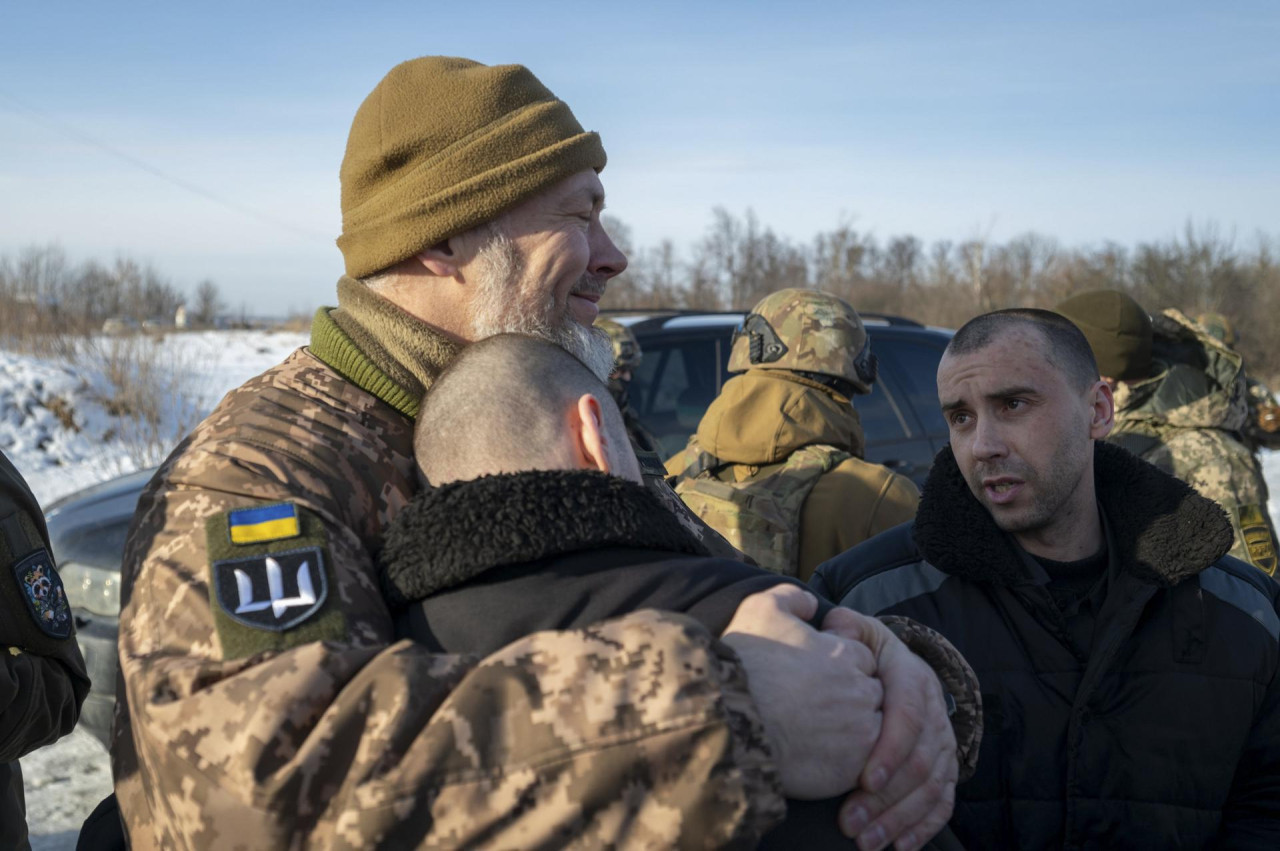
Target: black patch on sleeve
{"type": "Point", "coordinates": [41, 590]}
{"type": "Point", "coordinates": [272, 591]}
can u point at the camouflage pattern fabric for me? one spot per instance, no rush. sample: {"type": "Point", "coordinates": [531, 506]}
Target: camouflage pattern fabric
{"type": "Point", "coordinates": [807, 331]}
{"type": "Point", "coordinates": [761, 516]}
{"type": "Point", "coordinates": [1262, 427]}
{"type": "Point", "coordinates": [958, 680]}
{"type": "Point", "coordinates": [1187, 421]}
{"type": "Point", "coordinates": [626, 348]}
{"type": "Point", "coordinates": [637, 733]}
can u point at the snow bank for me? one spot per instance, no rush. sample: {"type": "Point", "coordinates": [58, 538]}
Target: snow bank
{"type": "Point", "coordinates": [57, 424]}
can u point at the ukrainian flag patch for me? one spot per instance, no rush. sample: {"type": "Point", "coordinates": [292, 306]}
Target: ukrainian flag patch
{"type": "Point", "coordinates": [266, 523]}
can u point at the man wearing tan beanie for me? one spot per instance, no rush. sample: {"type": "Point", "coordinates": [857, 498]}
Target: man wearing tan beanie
{"type": "Point", "coordinates": [265, 703]}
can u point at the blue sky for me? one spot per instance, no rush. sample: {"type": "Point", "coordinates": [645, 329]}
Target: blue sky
{"type": "Point", "coordinates": [1083, 121]}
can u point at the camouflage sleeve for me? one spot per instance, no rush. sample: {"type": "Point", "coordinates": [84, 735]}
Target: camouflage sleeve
{"type": "Point", "coordinates": [958, 680]}
{"type": "Point", "coordinates": [1221, 468]}
{"type": "Point", "coordinates": [634, 730]}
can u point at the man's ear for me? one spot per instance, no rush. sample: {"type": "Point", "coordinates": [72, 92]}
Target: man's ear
{"type": "Point", "coordinates": [592, 446]}
{"type": "Point", "coordinates": [440, 259]}
{"type": "Point", "coordinates": [1104, 410]}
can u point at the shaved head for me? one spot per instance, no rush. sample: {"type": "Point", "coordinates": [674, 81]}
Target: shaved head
{"type": "Point", "coordinates": [510, 404]}
{"type": "Point", "coordinates": [1064, 345]}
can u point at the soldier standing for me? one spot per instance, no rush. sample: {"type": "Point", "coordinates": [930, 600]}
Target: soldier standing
{"type": "Point", "coordinates": [266, 702]}
{"type": "Point", "coordinates": [627, 356]}
{"type": "Point", "coordinates": [1262, 425]}
{"type": "Point", "coordinates": [1180, 405]}
{"type": "Point", "coordinates": [776, 464]}
{"type": "Point", "coordinates": [42, 675]}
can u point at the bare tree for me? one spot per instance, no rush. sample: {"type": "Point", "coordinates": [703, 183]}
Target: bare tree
{"type": "Point", "coordinates": [208, 304]}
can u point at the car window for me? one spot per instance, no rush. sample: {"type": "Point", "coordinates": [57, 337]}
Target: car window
{"type": "Point", "coordinates": [674, 385]}
{"type": "Point", "coordinates": [915, 370]}
{"type": "Point", "coordinates": [882, 419]}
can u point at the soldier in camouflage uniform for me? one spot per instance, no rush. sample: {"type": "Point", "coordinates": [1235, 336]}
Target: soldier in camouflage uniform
{"type": "Point", "coordinates": [1180, 405]}
{"type": "Point", "coordinates": [42, 675]}
{"type": "Point", "coordinates": [626, 360]}
{"type": "Point", "coordinates": [265, 702]}
{"type": "Point", "coordinates": [776, 464]}
{"type": "Point", "coordinates": [1262, 425]}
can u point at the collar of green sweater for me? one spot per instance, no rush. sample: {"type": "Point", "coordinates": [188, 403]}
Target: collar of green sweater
{"type": "Point", "coordinates": [379, 347]}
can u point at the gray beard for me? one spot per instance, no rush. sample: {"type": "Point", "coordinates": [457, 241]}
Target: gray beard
{"type": "Point", "coordinates": [505, 303]}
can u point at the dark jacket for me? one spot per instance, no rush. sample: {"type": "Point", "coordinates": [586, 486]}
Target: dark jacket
{"type": "Point", "coordinates": [475, 565]}
{"type": "Point", "coordinates": [472, 566]}
{"type": "Point", "coordinates": [42, 675]}
{"type": "Point", "coordinates": [1167, 734]}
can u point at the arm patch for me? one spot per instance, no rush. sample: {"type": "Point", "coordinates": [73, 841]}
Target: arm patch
{"type": "Point", "coordinates": [271, 595]}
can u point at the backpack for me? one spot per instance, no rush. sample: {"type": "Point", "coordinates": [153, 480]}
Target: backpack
{"type": "Point", "coordinates": [761, 517]}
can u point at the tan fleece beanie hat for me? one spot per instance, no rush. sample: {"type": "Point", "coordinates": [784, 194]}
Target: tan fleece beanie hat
{"type": "Point", "coordinates": [1118, 331]}
{"type": "Point", "coordinates": [442, 145]}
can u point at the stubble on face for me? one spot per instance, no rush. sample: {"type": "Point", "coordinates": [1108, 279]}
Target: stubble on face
{"type": "Point", "coordinates": [506, 301]}
{"type": "Point", "coordinates": [1051, 489]}
{"type": "Point", "coordinates": [1044, 455]}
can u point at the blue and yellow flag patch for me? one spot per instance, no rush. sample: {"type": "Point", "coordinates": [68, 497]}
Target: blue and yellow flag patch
{"type": "Point", "coordinates": [267, 523]}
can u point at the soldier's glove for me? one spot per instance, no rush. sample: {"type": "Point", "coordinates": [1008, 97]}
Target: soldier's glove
{"type": "Point", "coordinates": [964, 697]}
{"type": "Point", "coordinates": [1269, 418]}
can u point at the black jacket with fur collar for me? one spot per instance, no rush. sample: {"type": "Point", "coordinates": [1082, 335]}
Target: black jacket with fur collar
{"type": "Point", "coordinates": [472, 566]}
{"type": "Point", "coordinates": [1166, 735]}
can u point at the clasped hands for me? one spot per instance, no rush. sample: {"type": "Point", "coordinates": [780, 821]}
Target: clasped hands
{"type": "Point", "coordinates": [849, 708]}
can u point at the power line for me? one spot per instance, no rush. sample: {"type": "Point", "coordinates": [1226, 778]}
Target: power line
{"type": "Point", "coordinates": [42, 117]}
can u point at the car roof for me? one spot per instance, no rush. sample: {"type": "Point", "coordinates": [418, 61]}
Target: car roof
{"type": "Point", "coordinates": [655, 321]}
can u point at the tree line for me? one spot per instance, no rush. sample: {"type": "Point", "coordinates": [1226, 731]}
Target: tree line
{"type": "Point", "coordinates": [738, 261]}
{"type": "Point", "coordinates": [44, 297]}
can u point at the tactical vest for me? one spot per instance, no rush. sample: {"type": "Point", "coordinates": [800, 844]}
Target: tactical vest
{"type": "Point", "coordinates": [761, 516]}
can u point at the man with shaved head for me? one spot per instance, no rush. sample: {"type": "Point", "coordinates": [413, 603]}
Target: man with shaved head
{"type": "Point", "coordinates": [267, 702]}
{"type": "Point", "coordinates": [535, 518]}
{"type": "Point", "coordinates": [1130, 669]}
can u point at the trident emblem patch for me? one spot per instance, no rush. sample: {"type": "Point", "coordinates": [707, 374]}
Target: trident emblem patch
{"type": "Point", "coordinates": [275, 591]}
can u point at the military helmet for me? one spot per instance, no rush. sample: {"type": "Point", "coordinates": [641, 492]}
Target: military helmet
{"type": "Point", "coordinates": [626, 350]}
{"type": "Point", "coordinates": [805, 331]}
{"type": "Point", "coordinates": [1219, 327]}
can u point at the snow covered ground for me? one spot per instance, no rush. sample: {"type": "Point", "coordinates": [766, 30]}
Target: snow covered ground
{"type": "Point", "coordinates": [191, 372]}
{"type": "Point", "coordinates": [62, 446]}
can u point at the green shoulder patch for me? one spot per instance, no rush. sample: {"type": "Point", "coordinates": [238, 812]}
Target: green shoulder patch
{"type": "Point", "coordinates": [1258, 539]}
{"type": "Point", "coordinates": [270, 595]}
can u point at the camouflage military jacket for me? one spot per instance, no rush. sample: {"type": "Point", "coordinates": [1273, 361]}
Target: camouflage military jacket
{"type": "Point", "coordinates": [266, 704]}
{"type": "Point", "coordinates": [763, 416]}
{"type": "Point", "coordinates": [1187, 419]}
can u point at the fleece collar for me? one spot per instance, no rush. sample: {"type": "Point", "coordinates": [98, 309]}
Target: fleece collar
{"type": "Point", "coordinates": [379, 347]}
{"type": "Point", "coordinates": [450, 534]}
{"type": "Point", "coordinates": [1162, 530]}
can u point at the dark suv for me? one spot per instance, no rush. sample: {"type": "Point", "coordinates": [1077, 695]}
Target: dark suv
{"type": "Point", "coordinates": [685, 363]}
{"type": "Point", "coordinates": [684, 367]}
